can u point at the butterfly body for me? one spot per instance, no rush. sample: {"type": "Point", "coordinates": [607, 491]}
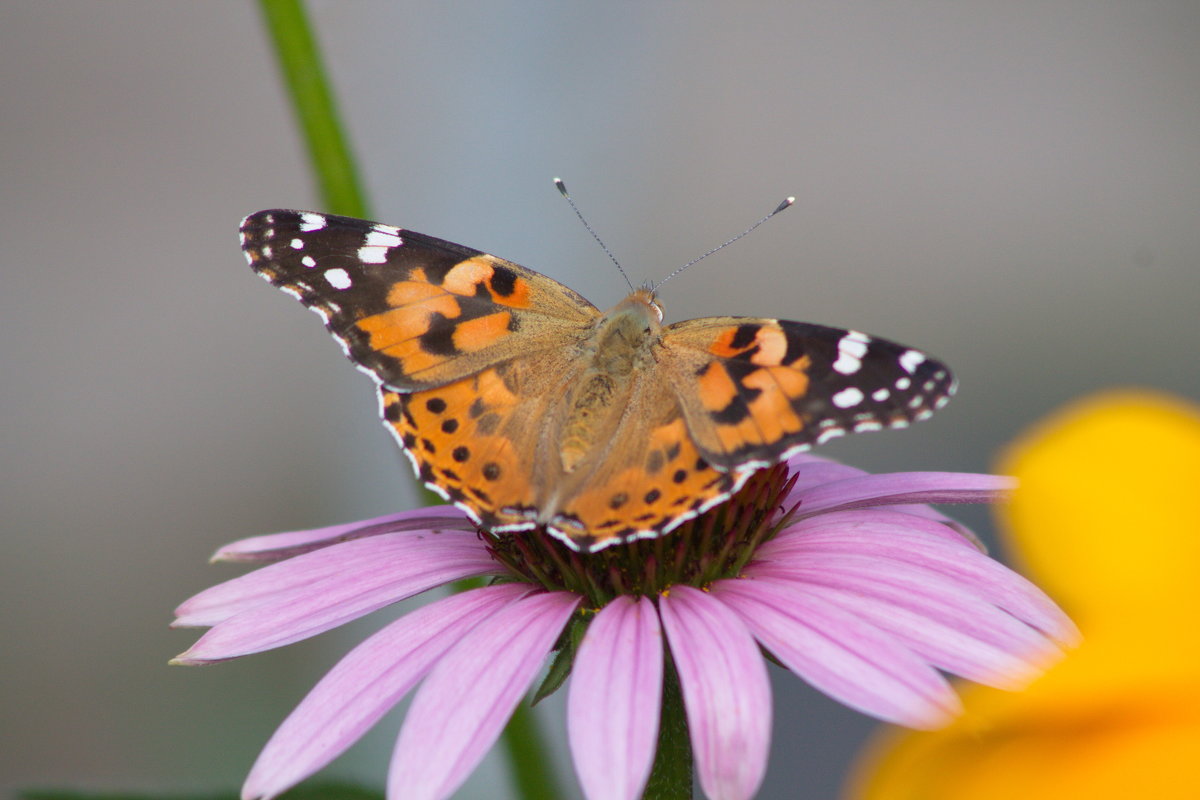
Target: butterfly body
{"type": "Point", "coordinates": [525, 405]}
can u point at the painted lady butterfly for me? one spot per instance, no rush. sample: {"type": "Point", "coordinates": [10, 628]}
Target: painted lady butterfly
{"type": "Point", "coordinates": [525, 405]}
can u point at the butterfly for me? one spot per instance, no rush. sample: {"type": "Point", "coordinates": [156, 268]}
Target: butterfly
{"type": "Point", "coordinates": [526, 406]}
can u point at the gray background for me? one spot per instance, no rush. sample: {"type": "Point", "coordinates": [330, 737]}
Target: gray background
{"type": "Point", "coordinates": [1010, 185]}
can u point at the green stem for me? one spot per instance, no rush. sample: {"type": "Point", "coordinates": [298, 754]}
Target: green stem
{"type": "Point", "coordinates": [532, 771]}
{"type": "Point", "coordinates": [341, 193]}
{"type": "Point", "coordinates": [671, 778]}
{"type": "Point", "coordinates": [314, 106]}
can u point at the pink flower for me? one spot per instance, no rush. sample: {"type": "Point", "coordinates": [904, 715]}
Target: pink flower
{"type": "Point", "coordinates": [860, 590]}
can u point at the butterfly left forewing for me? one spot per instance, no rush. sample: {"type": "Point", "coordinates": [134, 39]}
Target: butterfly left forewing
{"type": "Point", "coordinates": [411, 310]}
{"type": "Point", "coordinates": [755, 390]}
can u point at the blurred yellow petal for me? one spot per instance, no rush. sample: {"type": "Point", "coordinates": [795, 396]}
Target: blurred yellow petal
{"type": "Point", "coordinates": [1107, 520]}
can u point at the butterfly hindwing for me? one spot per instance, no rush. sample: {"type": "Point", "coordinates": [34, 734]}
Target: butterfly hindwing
{"type": "Point", "coordinates": [411, 310]}
{"type": "Point", "coordinates": [654, 481]}
{"type": "Point", "coordinates": [758, 389]}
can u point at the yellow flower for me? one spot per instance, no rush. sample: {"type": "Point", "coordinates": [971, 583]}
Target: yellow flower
{"type": "Point", "coordinates": [1107, 520]}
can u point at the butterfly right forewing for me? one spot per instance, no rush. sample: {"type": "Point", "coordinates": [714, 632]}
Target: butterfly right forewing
{"type": "Point", "coordinates": [755, 390]}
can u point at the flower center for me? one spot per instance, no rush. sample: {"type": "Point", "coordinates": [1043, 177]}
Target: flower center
{"type": "Point", "coordinates": [714, 545]}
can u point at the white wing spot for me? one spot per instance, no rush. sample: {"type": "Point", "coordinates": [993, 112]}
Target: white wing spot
{"type": "Point", "coordinates": [266, 251]}
{"type": "Point", "coordinates": [879, 395]}
{"type": "Point", "coordinates": [851, 348]}
{"type": "Point", "coordinates": [868, 425]}
{"type": "Point", "coordinates": [911, 359]}
{"type": "Point", "coordinates": [308, 261]}
{"type": "Point", "coordinates": [848, 397]}
{"type": "Point", "coordinates": [383, 238]}
{"type": "Point", "coordinates": [372, 255]}
{"type": "Point", "coordinates": [831, 433]}
{"type": "Point", "coordinates": [338, 278]}
{"type": "Point", "coordinates": [312, 222]}
{"type": "Point", "coordinates": [297, 244]}
{"type": "Point", "coordinates": [903, 383]}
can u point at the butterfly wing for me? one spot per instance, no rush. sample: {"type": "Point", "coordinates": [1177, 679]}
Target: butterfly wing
{"type": "Point", "coordinates": [412, 311]}
{"type": "Point", "coordinates": [753, 391]}
{"type": "Point", "coordinates": [651, 479]}
{"type": "Point", "coordinates": [482, 442]}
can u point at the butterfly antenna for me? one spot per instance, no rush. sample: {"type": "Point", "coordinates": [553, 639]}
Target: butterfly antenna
{"type": "Point", "coordinates": [785, 204]}
{"type": "Point", "coordinates": [562, 188]}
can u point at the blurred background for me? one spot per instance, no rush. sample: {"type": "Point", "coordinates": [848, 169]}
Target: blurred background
{"type": "Point", "coordinates": [1014, 187]}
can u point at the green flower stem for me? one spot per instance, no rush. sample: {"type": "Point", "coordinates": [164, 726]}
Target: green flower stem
{"type": "Point", "coordinates": [341, 193]}
{"type": "Point", "coordinates": [671, 778]}
{"type": "Point", "coordinates": [314, 106]}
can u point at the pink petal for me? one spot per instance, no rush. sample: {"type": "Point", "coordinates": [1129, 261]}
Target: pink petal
{"type": "Point", "coordinates": [462, 706]}
{"type": "Point", "coordinates": [984, 645]}
{"type": "Point", "coordinates": [298, 575]}
{"type": "Point", "coordinates": [364, 685]}
{"type": "Point", "coordinates": [275, 546]}
{"type": "Point", "coordinates": [849, 660]}
{"type": "Point", "coordinates": [303, 596]}
{"type": "Point", "coordinates": [810, 471]}
{"type": "Point", "coordinates": [614, 701]}
{"type": "Point", "coordinates": [725, 691]}
{"type": "Point", "coordinates": [884, 539]}
{"type": "Point", "coordinates": [901, 488]}
{"type": "Point", "coordinates": [900, 524]}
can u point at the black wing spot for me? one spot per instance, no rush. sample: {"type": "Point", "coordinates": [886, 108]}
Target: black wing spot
{"type": "Point", "coordinates": [680, 475]}
{"type": "Point", "coordinates": [504, 280]}
{"type": "Point", "coordinates": [618, 500]}
{"type": "Point", "coordinates": [654, 461]}
{"type": "Point", "coordinates": [460, 454]}
{"type": "Point", "coordinates": [491, 471]}
{"type": "Point", "coordinates": [439, 339]}
{"type": "Point", "coordinates": [435, 405]}
{"type": "Point", "coordinates": [449, 425]}
{"type": "Point", "coordinates": [795, 344]}
{"type": "Point", "coordinates": [746, 333]}
{"type": "Point", "coordinates": [737, 409]}
{"type": "Point", "coordinates": [652, 496]}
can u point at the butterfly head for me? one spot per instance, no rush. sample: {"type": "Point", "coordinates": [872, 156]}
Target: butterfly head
{"type": "Point", "coordinates": [644, 300]}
